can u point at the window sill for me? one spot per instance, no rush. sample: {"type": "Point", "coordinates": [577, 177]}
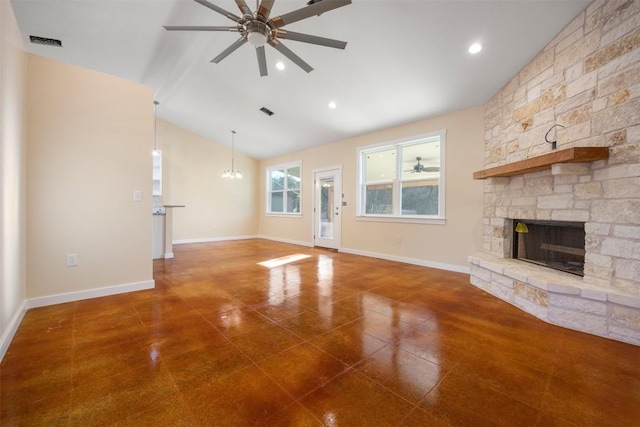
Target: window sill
{"type": "Point", "coordinates": [284, 214]}
{"type": "Point", "coordinates": [407, 219]}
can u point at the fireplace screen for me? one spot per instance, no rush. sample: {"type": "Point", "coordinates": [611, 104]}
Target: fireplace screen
{"type": "Point", "coordinates": [555, 244]}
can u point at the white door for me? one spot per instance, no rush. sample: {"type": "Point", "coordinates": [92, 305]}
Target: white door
{"type": "Point", "coordinates": [327, 208]}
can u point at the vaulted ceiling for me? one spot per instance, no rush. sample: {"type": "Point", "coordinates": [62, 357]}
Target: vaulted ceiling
{"type": "Point", "coordinates": [405, 60]}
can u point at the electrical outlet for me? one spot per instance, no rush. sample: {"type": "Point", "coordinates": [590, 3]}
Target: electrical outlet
{"type": "Point", "coordinates": [137, 196]}
{"type": "Point", "coordinates": [398, 239]}
{"type": "Point", "coordinates": [72, 260]}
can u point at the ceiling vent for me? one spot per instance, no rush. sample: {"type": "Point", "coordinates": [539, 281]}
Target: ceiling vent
{"type": "Point", "coordinates": [267, 111]}
{"type": "Point", "coordinates": [45, 41]}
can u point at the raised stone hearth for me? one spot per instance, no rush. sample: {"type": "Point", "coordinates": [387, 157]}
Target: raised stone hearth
{"type": "Point", "coordinates": [559, 298]}
{"type": "Point", "coordinates": [587, 80]}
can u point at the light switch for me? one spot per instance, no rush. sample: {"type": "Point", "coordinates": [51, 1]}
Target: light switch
{"type": "Point", "coordinates": [137, 196]}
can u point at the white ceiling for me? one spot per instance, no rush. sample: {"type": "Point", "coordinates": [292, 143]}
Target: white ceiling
{"type": "Point", "coordinates": [405, 60]}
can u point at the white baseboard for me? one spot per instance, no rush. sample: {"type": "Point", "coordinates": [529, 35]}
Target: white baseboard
{"type": "Point", "coordinates": [11, 329]}
{"type": "Point", "coordinates": [213, 239]}
{"type": "Point", "coordinates": [292, 242]}
{"type": "Point", "coordinates": [91, 293]}
{"type": "Point", "coordinates": [414, 261]}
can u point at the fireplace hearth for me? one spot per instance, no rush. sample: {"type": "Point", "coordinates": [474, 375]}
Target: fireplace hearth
{"type": "Point", "coordinates": [554, 244]}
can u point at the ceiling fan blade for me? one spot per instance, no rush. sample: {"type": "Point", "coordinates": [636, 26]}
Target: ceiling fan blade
{"type": "Point", "coordinates": [229, 50]}
{"type": "Point", "coordinates": [308, 38]}
{"type": "Point", "coordinates": [308, 11]}
{"type": "Point", "coordinates": [289, 54]}
{"type": "Point", "coordinates": [218, 9]}
{"type": "Point", "coordinates": [242, 5]}
{"type": "Point", "coordinates": [262, 61]}
{"type": "Point", "coordinates": [198, 28]}
{"type": "Point", "coordinates": [265, 8]}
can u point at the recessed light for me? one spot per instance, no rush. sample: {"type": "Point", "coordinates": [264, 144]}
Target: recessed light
{"type": "Point", "coordinates": [280, 65]}
{"type": "Point", "coordinates": [332, 105]}
{"type": "Point", "coordinates": [475, 48]}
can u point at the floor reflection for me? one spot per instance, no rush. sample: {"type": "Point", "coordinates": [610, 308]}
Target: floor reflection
{"type": "Point", "coordinates": [325, 286]}
{"type": "Point", "coordinates": [396, 323]}
{"type": "Point", "coordinates": [284, 283]}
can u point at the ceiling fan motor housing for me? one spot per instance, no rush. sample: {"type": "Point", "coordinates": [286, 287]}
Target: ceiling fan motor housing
{"type": "Point", "coordinates": [257, 32]}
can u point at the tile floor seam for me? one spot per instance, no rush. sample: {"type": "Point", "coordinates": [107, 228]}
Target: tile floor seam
{"type": "Point", "coordinates": [175, 386]}
{"type": "Point", "coordinates": [363, 361]}
{"type": "Point", "coordinates": [544, 395]}
{"type": "Point", "coordinates": [294, 398]}
{"type": "Point", "coordinates": [495, 391]}
{"type": "Point", "coordinates": [322, 333]}
{"type": "Point", "coordinates": [435, 386]}
{"type": "Point", "coordinates": [411, 412]}
{"type": "Point", "coordinates": [413, 405]}
{"type": "Point", "coordinates": [295, 402]}
{"type": "Point", "coordinates": [275, 354]}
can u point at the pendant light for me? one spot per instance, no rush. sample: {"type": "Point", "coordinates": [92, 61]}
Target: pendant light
{"type": "Point", "coordinates": [156, 152]}
{"type": "Point", "coordinates": [231, 173]}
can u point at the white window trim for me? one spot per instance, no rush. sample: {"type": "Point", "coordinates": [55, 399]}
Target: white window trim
{"type": "Point", "coordinates": [415, 219]}
{"type": "Point", "coordinates": [289, 165]}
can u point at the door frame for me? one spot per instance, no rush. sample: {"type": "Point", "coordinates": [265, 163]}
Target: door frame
{"type": "Point", "coordinates": [338, 173]}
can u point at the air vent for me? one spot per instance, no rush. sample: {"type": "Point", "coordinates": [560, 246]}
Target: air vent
{"type": "Point", "coordinates": [267, 111]}
{"type": "Point", "coordinates": [45, 41]}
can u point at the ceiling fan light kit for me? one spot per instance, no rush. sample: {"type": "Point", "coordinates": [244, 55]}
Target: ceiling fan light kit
{"type": "Point", "coordinates": [257, 32]}
{"type": "Point", "coordinates": [258, 29]}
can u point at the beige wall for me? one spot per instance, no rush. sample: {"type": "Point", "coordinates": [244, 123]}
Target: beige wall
{"type": "Point", "coordinates": [89, 147]}
{"type": "Point", "coordinates": [446, 246]}
{"type": "Point", "coordinates": [216, 208]}
{"type": "Point", "coordinates": [12, 174]}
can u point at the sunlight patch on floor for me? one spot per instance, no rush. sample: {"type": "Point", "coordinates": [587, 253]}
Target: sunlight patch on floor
{"type": "Point", "coordinates": [277, 262]}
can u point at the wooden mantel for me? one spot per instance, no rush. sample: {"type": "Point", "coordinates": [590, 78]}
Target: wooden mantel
{"type": "Point", "coordinates": [534, 164]}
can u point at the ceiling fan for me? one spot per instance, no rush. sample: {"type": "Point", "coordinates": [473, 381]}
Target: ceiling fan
{"type": "Point", "coordinates": [259, 29]}
{"type": "Point", "coordinates": [419, 167]}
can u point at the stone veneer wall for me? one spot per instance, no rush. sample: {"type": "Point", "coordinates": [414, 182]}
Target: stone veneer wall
{"type": "Point", "coordinates": [586, 79]}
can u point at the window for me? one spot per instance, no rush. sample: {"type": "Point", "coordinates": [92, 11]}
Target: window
{"type": "Point", "coordinates": [403, 180]}
{"type": "Point", "coordinates": [284, 188]}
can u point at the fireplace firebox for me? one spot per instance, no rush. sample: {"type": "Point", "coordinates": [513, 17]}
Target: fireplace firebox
{"type": "Point", "coordinates": [554, 244]}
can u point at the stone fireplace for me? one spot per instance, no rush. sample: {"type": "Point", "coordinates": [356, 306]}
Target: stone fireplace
{"type": "Point", "coordinates": [587, 80]}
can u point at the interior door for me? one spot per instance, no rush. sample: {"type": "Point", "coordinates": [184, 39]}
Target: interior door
{"type": "Point", "coordinates": [328, 208]}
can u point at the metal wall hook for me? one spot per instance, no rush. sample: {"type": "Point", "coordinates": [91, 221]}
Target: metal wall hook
{"type": "Point", "coordinates": [553, 143]}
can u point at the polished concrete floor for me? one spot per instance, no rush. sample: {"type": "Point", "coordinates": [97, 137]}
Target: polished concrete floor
{"type": "Point", "coordinates": [331, 339]}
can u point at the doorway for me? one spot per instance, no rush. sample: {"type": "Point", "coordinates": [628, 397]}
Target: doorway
{"type": "Point", "coordinates": [327, 208]}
